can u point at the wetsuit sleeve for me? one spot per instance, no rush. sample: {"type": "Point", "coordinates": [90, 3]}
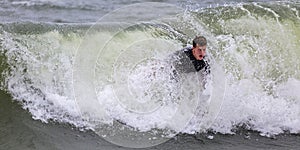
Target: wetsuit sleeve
{"type": "Point", "coordinates": [206, 68]}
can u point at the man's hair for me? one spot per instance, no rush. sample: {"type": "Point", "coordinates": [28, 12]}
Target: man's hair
{"type": "Point", "coordinates": [199, 40]}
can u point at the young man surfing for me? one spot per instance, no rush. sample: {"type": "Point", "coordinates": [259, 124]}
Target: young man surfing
{"type": "Point", "coordinates": [192, 59]}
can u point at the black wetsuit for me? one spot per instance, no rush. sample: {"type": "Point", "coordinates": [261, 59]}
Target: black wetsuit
{"type": "Point", "coordinates": [185, 62]}
{"type": "Point", "coordinates": [198, 64]}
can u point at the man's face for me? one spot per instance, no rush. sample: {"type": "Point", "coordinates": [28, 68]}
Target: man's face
{"type": "Point", "coordinates": [199, 52]}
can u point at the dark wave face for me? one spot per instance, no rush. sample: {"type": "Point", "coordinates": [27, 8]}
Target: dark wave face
{"type": "Point", "coordinates": [50, 48]}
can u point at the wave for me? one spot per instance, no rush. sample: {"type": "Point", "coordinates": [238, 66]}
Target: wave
{"type": "Point", "coordinates": [256, 44]}
{"type": "Point", "coordinates": [38, 4]}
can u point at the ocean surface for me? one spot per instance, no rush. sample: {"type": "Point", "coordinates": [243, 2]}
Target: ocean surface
{"type": "Point", "coordinates": [96, 75]}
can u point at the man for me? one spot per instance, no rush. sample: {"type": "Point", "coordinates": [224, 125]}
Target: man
{"type": "Point", "coordinates": [192, 59]}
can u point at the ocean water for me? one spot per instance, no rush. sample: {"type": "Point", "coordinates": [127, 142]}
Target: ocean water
{"type": "Point", "coordinates": [96, 75]}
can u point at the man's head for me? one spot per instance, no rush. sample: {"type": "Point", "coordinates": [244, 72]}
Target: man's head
{"type": "Point", "coordinates": [199, 47]}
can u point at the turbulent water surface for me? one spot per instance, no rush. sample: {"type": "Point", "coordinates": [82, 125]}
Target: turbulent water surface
{"type": "Point", "coordinates": [87, 70]}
